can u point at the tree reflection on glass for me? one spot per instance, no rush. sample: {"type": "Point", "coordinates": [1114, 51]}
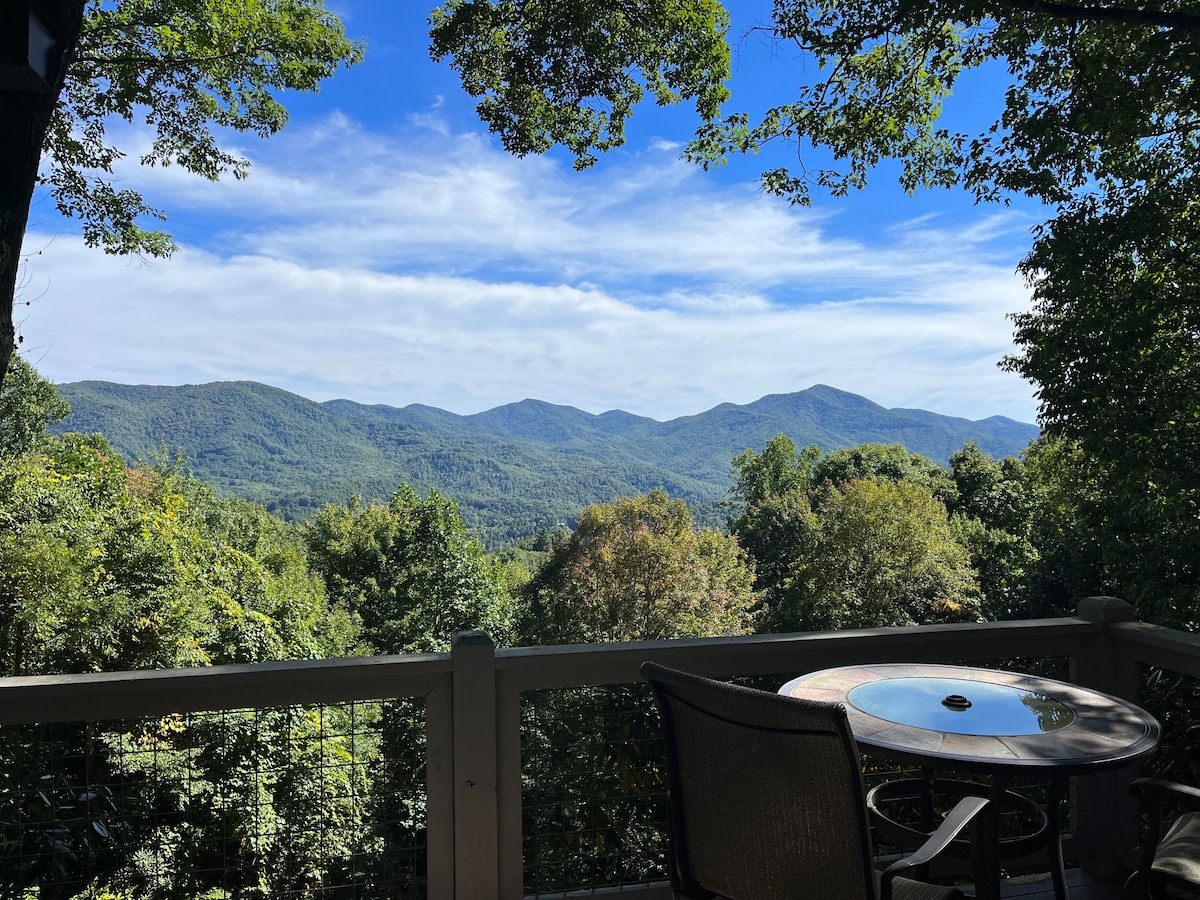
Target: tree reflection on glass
{"type": "Point", "coordinates": [1051, 714]}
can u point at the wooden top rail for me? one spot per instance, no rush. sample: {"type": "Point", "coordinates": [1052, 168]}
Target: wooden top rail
{"type": "Point", "coordinates": [63, 698]}
{"type": "Point", "coordinates": [579, 665]}
{"type": "Point", "coordinates": [117, 695]}
{"type": "Point", "coordinates": [1178, 651]}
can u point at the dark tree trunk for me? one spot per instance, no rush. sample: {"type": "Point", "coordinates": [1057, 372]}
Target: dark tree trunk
{"type": "Point", "coordinates": [24, 118]}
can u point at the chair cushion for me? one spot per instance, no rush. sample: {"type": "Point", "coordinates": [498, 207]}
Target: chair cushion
{"type": "Point", "coordinates": [1178, 855]}
{"type": "Point", "coordinates": [907, 889]}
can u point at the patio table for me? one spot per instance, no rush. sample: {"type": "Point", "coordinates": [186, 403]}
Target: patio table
{"type": "Point", "coordinates": [990, 723]}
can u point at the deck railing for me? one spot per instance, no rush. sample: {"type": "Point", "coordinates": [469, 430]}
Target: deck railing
{"type": "Point", "coordinates": [472, 700]}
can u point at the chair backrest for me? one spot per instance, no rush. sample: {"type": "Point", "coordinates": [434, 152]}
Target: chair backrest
{"type": "Point", "coordinates": [765, 793]}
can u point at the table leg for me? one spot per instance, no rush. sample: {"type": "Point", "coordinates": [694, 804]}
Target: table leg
{"type": "Point", "coordinates": [921, 873]}
{"type": "Point", "coordinates": [1054, 847]}
{"type": "Point", "coordinates": [927, 801]}
{"type": "Point", "coordinates": [986, 851]}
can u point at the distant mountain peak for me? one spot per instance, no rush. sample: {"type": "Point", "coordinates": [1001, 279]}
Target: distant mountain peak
{"type": "Point", "coordinates": [512, 469]}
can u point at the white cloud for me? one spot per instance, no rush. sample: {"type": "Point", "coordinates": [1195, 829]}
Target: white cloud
{"type": "Point", "coordinates": [335, 194]}
{"type": "Point", "coordinates": [433, 268]}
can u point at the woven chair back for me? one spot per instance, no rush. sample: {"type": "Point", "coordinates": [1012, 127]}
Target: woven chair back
{"type": "Point", "coordinates": [765, 793]}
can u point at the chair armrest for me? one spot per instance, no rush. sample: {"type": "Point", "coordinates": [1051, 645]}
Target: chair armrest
{"type": "Point", "coordinates": [1150, 793]}
{"type": "Point", "coordinates": [964, 813]}
{"type": "Point", "coordinates": [1142, 787]}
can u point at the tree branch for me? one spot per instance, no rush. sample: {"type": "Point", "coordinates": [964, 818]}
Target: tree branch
{"type": "Point", "coordinates": [169, 62]}
{"type": "Point", "coordinates": [1123, 14]}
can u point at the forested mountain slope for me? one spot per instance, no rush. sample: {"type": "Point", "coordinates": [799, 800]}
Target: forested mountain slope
{"type": "Point", "coordinates": [513, 469]}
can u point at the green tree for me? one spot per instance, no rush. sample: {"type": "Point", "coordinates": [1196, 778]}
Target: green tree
{"type": "Point", "coordinates": [775, 531]}
{"type": "Point", "coordinates": [410, 572]}
{"type": "Point", "coordinates": [1036, 527]}
{"type": "Point", "coordinates": [799, 515]}
{"type": "Point", "coordinates": [992, 516]}
{"type": "Point", "coordinates": [103, 567]}
{"type": "Point", "coordinates": [882, 554]}
{"type": "Point", "coordinates": [1112, 343]}
{"type": "Point", "coordinates": [637, 569]}
{"type": "Point", "coordinates": [773, 520]}
{"type": "Point", "coordinates": [185, 67]}
{"type": "Point", "coordinates": [883, 463]}
{"type": "Point", "coordinates": [1068, 517]}
{"type": "Point", "coordinates": [571, 74]}
{"type": "Point", "coordinates": [29, 404]}
{"type": "Point", "coordinates": [93, 576]}
{"type": "Point", "coordinates": [1099, 98]}
{"type": "Point", "coordinates": [777, 470]}
{"type": "Point", "coordinates": [988, 489]}
{"type": "Point", "coordinates": [252, 803]}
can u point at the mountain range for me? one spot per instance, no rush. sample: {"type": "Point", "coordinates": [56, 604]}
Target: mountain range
{"type": "Point", "coordinates": [513, 470]}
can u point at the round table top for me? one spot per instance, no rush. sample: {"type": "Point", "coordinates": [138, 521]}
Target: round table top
{"type": "Point", "coordinates": [966, 718]}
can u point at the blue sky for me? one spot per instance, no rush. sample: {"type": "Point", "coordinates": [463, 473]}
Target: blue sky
{"type": "Point", "coordinates": [385, 249]}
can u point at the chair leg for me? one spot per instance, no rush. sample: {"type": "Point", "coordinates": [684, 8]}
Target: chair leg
{"type": "Point", "coordinates": [984, 858]}
{"type": "Point", "coordinates": [1136, 887]}
{"type": "Point", "coordinates": [985, 849]}
{"type": "Point", "coordinates": [921, 873]}
{"type": "Point", "coordinates": [1054, 847]}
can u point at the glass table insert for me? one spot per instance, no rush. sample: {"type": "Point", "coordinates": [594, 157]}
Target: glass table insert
{"type": "Point", "coordinates": [960, 706]}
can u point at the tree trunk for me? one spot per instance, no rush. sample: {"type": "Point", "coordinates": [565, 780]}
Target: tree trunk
{"type": "Point", "coordinates": [24, 119]}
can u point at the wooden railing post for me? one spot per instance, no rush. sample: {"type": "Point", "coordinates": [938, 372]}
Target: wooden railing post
{"type": "Point", "coordinates": [476, 872]}
{"type": "Point", "coordinates": [508, 759]}
{"type": "Point", "coordinates": [439, 790]}
{"type": "Point", "coordinates": [1105, 820]}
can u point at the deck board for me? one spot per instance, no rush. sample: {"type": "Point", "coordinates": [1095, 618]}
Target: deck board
{"type": "Point", "coordinates": [1080, 885]}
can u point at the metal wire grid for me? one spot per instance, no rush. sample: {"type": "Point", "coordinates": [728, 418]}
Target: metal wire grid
{"type": "Point", "coordinates": [1174, 700]}
{"type": "Point", "coordinates": [322, 801]}
{"type": "Point", "coordinates": [594, 789]}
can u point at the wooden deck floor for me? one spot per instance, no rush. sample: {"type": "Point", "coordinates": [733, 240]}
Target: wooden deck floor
{"type": "Point", "coordinates": [1079, 884]}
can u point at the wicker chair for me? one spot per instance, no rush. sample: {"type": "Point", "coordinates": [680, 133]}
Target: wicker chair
{"type": "Point", "coordinates": [1170, 863]}
{"type": "Point", "coordinates": [766, 799]}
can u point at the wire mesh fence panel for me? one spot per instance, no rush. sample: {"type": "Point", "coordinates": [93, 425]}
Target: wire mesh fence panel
{"type": "Point", "coordinates": [1174, 700]}
{"type": "Point", "coordinates": [320, 801]}
{"type": "Point", "coordinates": [594, 789]}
